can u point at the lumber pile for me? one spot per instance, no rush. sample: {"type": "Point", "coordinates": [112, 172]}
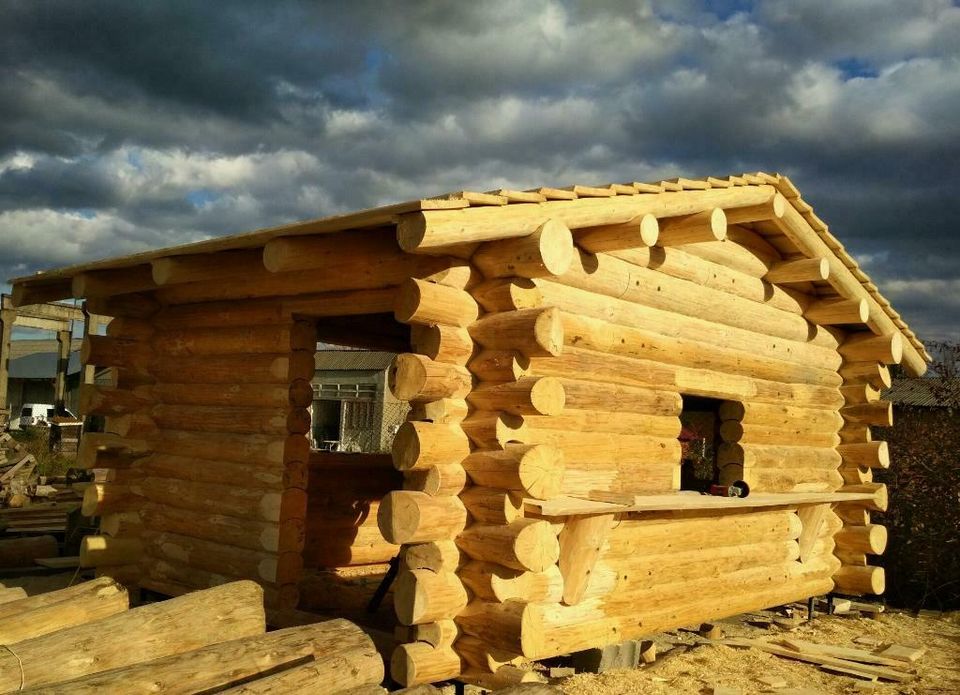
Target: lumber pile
{"type": "Point", "coordinates": [85, 639]}
{"type": "Point", "coordinates": [26, 496]}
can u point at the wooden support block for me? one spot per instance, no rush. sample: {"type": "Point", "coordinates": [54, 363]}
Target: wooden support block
{"type": "Point", "coordinates": [711, 631]}
{"type": "Point", "coordinates": [581, 541]}
{"type": "Point", "coordinates": [548, 251]}
{"type": "Point", "coordinates": [804, 270]}
{"type": "Point", "coordinates": [700, 227]}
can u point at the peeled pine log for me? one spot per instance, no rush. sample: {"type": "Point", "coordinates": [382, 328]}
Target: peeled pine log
{"type": "Point", "coordinates": [773, 456]}
{"type": "Point", "coordinates": [779, 415]}
{"type": "Point", "coordinates": [803, 270]}
{"type": "Point", "coordinates": [415, 517]}
{"type": "Point", "coordinates": [492, 582]}
{"type": "Point", "coordinates": [107, 283]}
{"type": "Point", "coordinates": [103, 550]}
{"type": "Point", "coordinates": [104, 351]}
{"type": "Point", "coordinates": [441, 633]}
{"type": "Point", "coordinates": [223, 265]}
{"type": "Point", "coordinates": [526, 396]}
{"type": "Point", "coordinates": [867, 347]}
{"type": "Point", "coordinates": [448, 479]}
{"type": "Point", "coordinates": [258, 368]}
{"type": "Point", "coordinates": [428, 303]}
{"type": "Point", "coordinates": [450, 344]}
{"type": "Point", "coordinates": [21, 552]}
{"type": "Point", "coordinates": [58, 610]}
{"type": "Point", "coordinates": [214, 498]}
{"type": "Point", "coordinates": [445, 411]}
{"type": "Point", "coordinates": [833, 312]}
{"type": "Point", "coordinates": [524, 544]}
{"type": "Point", "coordinates": [879, 491]}
{"type": "Point", "coordinates": [418, 662]}
{"type": "Point", "coordinates": [548, 251]}
{"type": "Point", "coordinates": [437, 556]}
{"type": "Point", "coordinates": [709, 225]}
{"type": "Point", "coordinates": [757, 213]}
{"type": "Point", "coordinates": [422, 596]}
{"type": "Point", "coordinates": [214, 471]}
{"type": "Point", "coordinates": [876, 414]}
{"type": "Point", "coordinates": [853, 579]}
{"type": "Point", "coordinates": [497, 625]}
{"type": "Point", "coordinates": [307, 677]}
{"type": "Point", "coordinates": [298, 394]}
{"type": "Point", "coordinates": [124, 305]}
{"type": "Point", "coordinates": [868, 454]}
{"type": "Point", "coordinates": [413, 377]}
{"type": "Point", "coordinates": [797, 435]}
{"type": "Point", "coordinates": [505, 677]}
{"type": "Point", "coordinates": [232, 447]}
{"type": "Point", "coordinates": [530, 331]}
{"type": "Point", "coordinates": [537, 469]}
{"type": "Point", "coordinates": [856, 476]}
{"type": "Point", "coordinates": [104, 450]}
{"type": "Point", "coordinates": [870, 539]}
{"type": "Point", "coordinates": [873, 373]}
{"type": "Point", "coordinates": [108, 498]}
{"type": "Point", "coordinates": [420, 445]}
{"type": "Point", "coordinates": [494, 430]}
{"type": "Point", "coordinates": [488, 505]}
{"type": "Point", "coordinates": [493, 365]}
{"type": "Point", "coordinates": [596, 422]}
{"type": "Point", "coordinates": [149, 632]}
{"type": "Point", "coordinates": [641, 231]}
{"type": "Point", "coordinates": [508, 294]}
{"type": "Point", "coordinates": [229, 340]}
{"type": "Point", "coordinates": [587, 395]}
{"type": "Point", "coordinates": [483, 657]}
{"type": "Point", "coordinates": [121, 524]}
{"type": "Point", "coordinates": [859, 393]}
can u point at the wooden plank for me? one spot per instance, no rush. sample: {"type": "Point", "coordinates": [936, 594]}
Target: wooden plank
{"type": "Point", "coordinates": [820, 659]}
{"type": "Point", "coordinates": [620, 503]}
{"type": "Point", "coordinates": [848, 653]}
{"type": "Point", "coordinates": [66, 562]}
{"type": "Point", "coordinates": [581, 540]}
{"type": "Point", "coordinates": [900, 652]}
{"type": "Point", "coordinates": [49, 311]}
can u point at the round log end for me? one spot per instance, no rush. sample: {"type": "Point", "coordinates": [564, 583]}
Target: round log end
{"type": "Point", "coordinates": [541, 471]}
{"type": "Point", "coordinates": [91, 500]}
{"type": "Point", "coordinates": [883, 454]}
{"type": "Point", "coordinates": [824, 269]}
{"type": "Point", "coordinates": [406, 447]}
{"type": "Point", "coordinates": [896, 348]}
{"type": "Point", "coordinates": [547, 396]}
{"type": "Point", "coordinates": [276, 254]}
{"type": "Point", "coordinates": [855, 579]}
{"type": "Point", "coordinates": [161, 269]}
{"type": "Point", "coordinates": [649, 230]}
{"type": "Point", "coordinates": [718, 224]}
{"type": "Point", "coordinates": [536, 546]}
{"type": "Point", "coordinates": [556, 247]}
{"type": "Point", "coordinates": [301, 393]}
{"type": "Point", "coordinates": [409, 296]}
{"type": "Point", "coordinates": [407, 376]}
{"type": "Point", "coordinates": [398, 516]}
{"type": "Point", "coordinates": [418, 662]}
{"type": "Point", "coordinates": [863, 310]}
{"type": "Point", "coordinates": [548, 331]}
{"type": "Point", "coordinates": [778, 205]}
{"type": "Point", "coordinates": [877, 538]}
{"type": "Point", "coordinates": [411, 231]}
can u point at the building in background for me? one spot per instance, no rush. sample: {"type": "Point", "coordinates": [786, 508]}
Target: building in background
{"type": "Point", "coordinates": [33, 370]}
{"type": "Point", "coordinates": [353, 410]}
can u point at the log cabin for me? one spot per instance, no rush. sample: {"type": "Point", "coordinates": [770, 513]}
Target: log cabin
{"type": "Point", "coordinates": [552, 344]}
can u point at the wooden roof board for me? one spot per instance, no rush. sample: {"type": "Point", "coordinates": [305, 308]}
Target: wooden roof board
{"type": "Point", "coordinates": [389, 215]}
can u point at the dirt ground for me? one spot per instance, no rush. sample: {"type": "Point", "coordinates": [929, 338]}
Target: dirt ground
{"type": "Point", "coordinates": [709, 665]}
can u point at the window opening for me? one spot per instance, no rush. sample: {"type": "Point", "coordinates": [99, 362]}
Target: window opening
{"type": "Point", "coordinates": [699, 441]}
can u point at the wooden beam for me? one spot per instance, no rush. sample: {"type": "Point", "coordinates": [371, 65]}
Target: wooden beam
{"type": "Point", "coordinates": [41, 324]}
{"type": "Point", "coordinates": [106, 283]}
{"type": "Point", "coordinates": [41, 292]}
{"type": "Point", "coordinates": [581, 541]}
{"type": "Point", "coordinates": [50, 310]}
{"type": "Point", "coordinates": [63, 362]}
{"type": "Point", "coordinates": [207, 266]}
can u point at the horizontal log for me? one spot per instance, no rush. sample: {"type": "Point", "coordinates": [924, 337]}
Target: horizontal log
{"type": "Point", "coordinates": [223, 266]}
{"type": "Point", "coordinates": [437, 556]}
{"type": "Point", "coordinates": [445, 411]}
{"type": "Point", "coordinates": [448, 479]}
{"type": "Point", "coordinates": [415, 517]}
{"type": "Point", "coordinates": [597, 422]}
{"type": "Point", "coordinates": [537, 470]}
{"type": "Point", "coordinates": [508, 294]}
{"type": "Point", "coordinates": [418, 662]}
{"type": "Point", "coordinates": [122, 524]}
{"type": "Point", "coordinates": [803, 270]}
{"type": "Point", "coordinates": [216, 557]}
{"type": "Point", "coordinates": [795, 434]}
{"type": "Point", "coordinates": [422, 596]}
{"type": "Point", "coordinates": [244, 448]}
{"type": "Point", "coordinates": [429, 303]}
{"type": "Point", "coordinates": [494, 430]}
{"type": "Point", "coordinates": [772, 209]}
{"type": "Point", "coordinates": [214, 498]}
{"type": "Point", "coordinates": [21, 552]}
{"type": "Point", "coordinates": [188, 468]}
{"type": "Point", "coordinates": [299, 394]}
{"type": "Point", "coordinates": [641, 231]}
{"type": "Point", "coordinates": [525, 544]}
{"type": "Point", "coordinates": [774, 456]}
{"type": "Point", "coordinates": [547, 251]}
{"type": "Point", "coordinates": [529, 331]}
{"type": "Point", "coordinates": [878, 414]}
{"type": "Point", "coordinates": [587, 395]}
{"type": "Point", "coordinates": [526, 396]}
{"type": "Point", "coordinates": [104, 351]}
{"type": "Point", "coordinates": [599, 450]}
{"type": "Point", "coordinates": [862, 347]}
{"type": "Point", "coordinates": [429, 232]}
{"type": "Point", "coordinates": [870, 539]}
{"type": "Point", "coordinates": [868, 454]}
{"type": "Point", "coordinates": [234, 340]}
{"type": "Point", "coordinates": [859, 393]}
{"type": "Point", "coordinates": [708, 225]}
{"type": "Point", "coordinates": [413, 377]}
{"type": "Point", "coordinates": [487, 505]}
{"type": "Point", "coordinates": [493, 582]}
{"type": "Point", "coordinates": [105, 450]}
{"type": "Point", "coordinates": [108, 498]}
{"type": "Point", "coordinates": [442, 343]}
{"type": "Point", "coordinates": [131, 328]}
{"type": "Point", "coordinates": [106, 400]}
{"type": "Point", "coordinates": [497, 625]}
{"type": "Point", "coordinates": [482, 656]}
{"type": "Point", "coordinates": [420, 445]}
{"type": "Point", "coordinates": [833, 312]}
{"type": "Point", "coordinates": [873, 373]}
{"type": "Point", "coordinates": [102, 550]}
{"type": "Point", "coordinates": [851, 579]}
{"type": "Point", "coordinates": [779, 415]}
{"type": "Point", "coordinates": [502, 365]}
{"type": "Point", "coordinates": [230, 369]}
{"type": "Point", "coordinates": [123, 305]}
{"type": "Point", "coordinates": [241, 420]}
{"type": "Point", "coordinates": [149, 632]}
{"type": "Point", "coordinates": [879, 491]}
{"type": "Point", "coordinates": [107, 283]}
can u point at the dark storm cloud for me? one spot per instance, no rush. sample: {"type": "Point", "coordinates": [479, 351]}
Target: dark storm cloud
{"type": "Point", "coordinates": [127, 125]}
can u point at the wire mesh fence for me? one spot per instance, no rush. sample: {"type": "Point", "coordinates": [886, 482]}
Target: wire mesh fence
{"type": "Point", "coordinates": [364, 425]}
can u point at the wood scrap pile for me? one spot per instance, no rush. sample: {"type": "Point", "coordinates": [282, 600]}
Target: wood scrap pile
{"type": "Point", "coordinates": [85, 639]}
{"type": "Point", "coordinates": [870, 661]}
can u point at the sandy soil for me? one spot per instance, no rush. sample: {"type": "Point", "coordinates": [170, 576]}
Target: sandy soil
{"type": "Point", "coordinates": [704, 667]}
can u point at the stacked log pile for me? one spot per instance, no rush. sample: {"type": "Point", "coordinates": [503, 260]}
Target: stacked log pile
{"type": "Point", "coordinates": [85, 639]}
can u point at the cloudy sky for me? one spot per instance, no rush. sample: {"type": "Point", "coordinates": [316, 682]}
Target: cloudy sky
{"type": "Point", "coordinates": [131, 125]}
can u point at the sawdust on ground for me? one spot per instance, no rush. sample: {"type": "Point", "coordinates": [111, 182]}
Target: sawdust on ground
{"type": "Point", "coordinates": [699, 670]}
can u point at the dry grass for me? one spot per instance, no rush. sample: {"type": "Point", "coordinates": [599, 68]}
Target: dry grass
{"type": "Point", "coordinates": [36, 442]}
{"type": "Point", "coordinates": [697, 671]}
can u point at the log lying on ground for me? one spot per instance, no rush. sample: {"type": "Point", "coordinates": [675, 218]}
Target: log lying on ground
{"type": "Point", "coordinates": [57, 610]}
{"type": "Point", "coordinates": [21, 552]}
{"type": "Point", "coordinates": [183, 624]}
{"type": "Point", "coordinates": [342, 655]}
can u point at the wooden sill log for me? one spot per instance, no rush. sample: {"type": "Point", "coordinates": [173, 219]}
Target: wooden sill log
{"type": "Point", "coordinates": [852, 579]}
{"type": "Point", "coordinates": [21, 552]}
{"type": "Point", "coordinates": [41, 615]}
{"type": "Point", "coordinates": [342, 655]}
{"type": "Point", "coordinates": [183, 624]}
